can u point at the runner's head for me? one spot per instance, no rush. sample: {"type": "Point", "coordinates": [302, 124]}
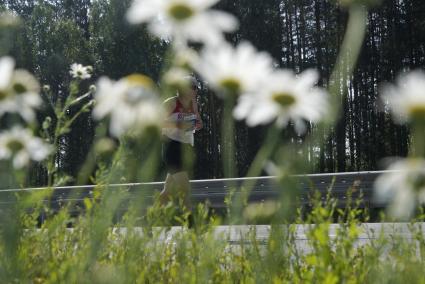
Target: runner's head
{"type": "Point", "coordinates": [190, 89]}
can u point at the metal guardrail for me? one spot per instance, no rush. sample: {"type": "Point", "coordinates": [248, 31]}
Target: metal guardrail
{"type": "Point", "coordinates": [215, 190]}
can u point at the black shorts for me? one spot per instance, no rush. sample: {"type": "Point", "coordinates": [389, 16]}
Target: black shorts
{"type": "Point", "coordinates": [177, 156]}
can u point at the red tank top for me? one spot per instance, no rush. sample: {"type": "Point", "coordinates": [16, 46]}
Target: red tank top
{"type": "Point", "coordinates": [179, 108]}
{"type": "Point", "coordinates": [179, 115]}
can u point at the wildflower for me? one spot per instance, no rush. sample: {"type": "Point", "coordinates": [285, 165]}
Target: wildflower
{"type": "Point", "coordinates": [92, 88]}
{"type": "Point", "coordinates": [407, 99]}
{"type": "Point", "coordinates": [284, 97]}
{"type": "Point", "coordinates": [47, 123]}
{"type": "Point", "coordinates": [182, 20]}
{"type": "Point", "coordinates": [403, 187]}
{"type": "Point", "coordinates": [20, 145]}
{"type": "Point", "coordinates": [132, 104]}
{"type": "Point", "coordinates": [78, 71]}
{"type": "Point", "coordinates": [46, 88]}
{"type": "Point", "coordinates": [19, 90]}
{"type": "Point", "coordinates": [178, 78]}
{"type": "Point", "coordinates": [234, 70]}
{"type": "Point", "coordinates": [185, 58]}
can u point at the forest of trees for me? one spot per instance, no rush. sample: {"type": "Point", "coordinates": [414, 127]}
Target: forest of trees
{"type": "Point", "coordinates": [299, 34]}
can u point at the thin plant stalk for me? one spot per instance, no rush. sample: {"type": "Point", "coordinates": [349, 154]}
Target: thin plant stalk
{"type": "Point", "coordinates": [272, 140]}
{"type": "Point", "coordinates": [228, 138]}
{"type": "Point", "coordinates": [343, 70]}
{"type": "Point", "coordinates": [418, 139]}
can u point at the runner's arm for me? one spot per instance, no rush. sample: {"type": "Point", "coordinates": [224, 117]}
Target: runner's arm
{"type": "Point", "coordinates": [169, 106]}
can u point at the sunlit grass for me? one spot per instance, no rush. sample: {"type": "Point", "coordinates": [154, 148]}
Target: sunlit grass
{"type": "Point", "coordinates": [160, 247]}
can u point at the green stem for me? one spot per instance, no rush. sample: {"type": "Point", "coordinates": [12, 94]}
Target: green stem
{"type": "Point", "coordinates": [228, 155]}
{"type": "Point", "coordinates": [70, 121]}
{"type": "Point", "coordinates": [147, 170]}
{"type": "Point", "coordinates": [62, 127]}
{"type": "Point", "coordinates": [348, 55]}
{"type": "Point", "coordinates": [51, 167]}
{"type": "Point", "coordinates": [228, 138]}
{"type": "Point", "coordinates": [90, 162]}
{"type": "Point", "coordinates": [343, 70]}
{"type": "Point", "coordinates": [418, 139]}
{"type": "Point", "coordinates": [76, 101]}
{"type": "Point", "coordinates": [270, 143]}
{"type": "Point", "coordinates": [266, 150]}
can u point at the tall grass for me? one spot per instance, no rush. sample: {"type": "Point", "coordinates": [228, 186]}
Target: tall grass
{"type": "Point", "coordinates": [93, 247]}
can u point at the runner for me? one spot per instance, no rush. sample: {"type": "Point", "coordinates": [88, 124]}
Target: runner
{"type": "Point", "coordinates": [177, 152]}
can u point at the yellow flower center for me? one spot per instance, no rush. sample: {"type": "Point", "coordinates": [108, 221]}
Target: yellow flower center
{"type": "Point", "coordinates": [3, 95]}
{"type": "Point", "coordinates": [139, 80]}
{"type": "Point", "coordinates": [15, 145]}
{"type": "Point", "coordinates": [141, 87]}
{"type": "Point", "coordinates": [181, 12]}
{"type": "Point", "coordinates": [418, 112]}
{"type": "Point", "coordinates": [284, 99]}
{"type": "Point", "coordinates": [231, 85]}
{"type": "Point", "coordinates": [19, 88]}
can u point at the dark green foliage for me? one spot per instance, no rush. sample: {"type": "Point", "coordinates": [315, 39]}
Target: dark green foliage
{"type": "Point", "coordinates": [307, 34]}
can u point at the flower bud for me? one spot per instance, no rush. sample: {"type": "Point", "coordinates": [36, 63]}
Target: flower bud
{"type": "Point", "coordinates": [46, 88]}
{"type": "Point", "coordinates": [92, 88]}
{"type": "Point", "coordinates": [47, 122]}
{"type": "Point", "coordinates": [105, 146]}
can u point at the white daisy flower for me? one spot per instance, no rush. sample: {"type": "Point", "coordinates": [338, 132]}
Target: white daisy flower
{"type": "Point", "coordinates": [403, 187]}
{"type": "Point", "coordinates": [131, 103]}
{"type": "Point", "coordinates": [183, 20]}
{"type": "Point", "coordinates": [19, 90]}
{"type": "Point", "coordinates": [284, 97]}
{"type": "Point", "coordinates": [237, 70]}
{"type": "Point", "coordinates": [78, 71]}
{"type": "Point", "coordinates": [20, 145]}
{"type": "Point", "coordinates": [406, 99]}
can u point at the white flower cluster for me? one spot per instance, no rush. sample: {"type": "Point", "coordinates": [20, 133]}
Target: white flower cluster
{"type": "Point", "coordinates": [78, 71]}
{"type": "Point", "coordinates": [183, 20]}
{"type": "Point", "coordinates": [19, 91]}
{"type": "Point", "coordinates": [406, 99]}
{"type": "Point", "coordinates": [19, 145]}
{"type": "Point", "coordinates": [19, 94]}
{"type": "Point", "coordinates": [403, 187]}
{"type": "Point", "coordinates": [285, 98]}
{"type": "Point", "coordinates": [264, 93]}
{"type": "Point", "coordinates": [132, 104]}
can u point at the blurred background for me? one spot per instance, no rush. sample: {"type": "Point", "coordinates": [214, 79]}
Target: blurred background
{"type": "Point", "coordinates": [299, 34]}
